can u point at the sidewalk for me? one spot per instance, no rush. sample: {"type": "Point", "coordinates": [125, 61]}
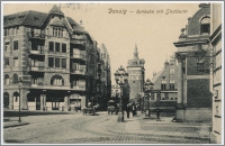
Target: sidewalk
{"type": "Point", "coordinates": [13, 122]}
{"type": "Point", "coordinates": [163, 128]}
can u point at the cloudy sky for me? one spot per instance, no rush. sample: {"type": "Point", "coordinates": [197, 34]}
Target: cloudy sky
{"type": "Point", "coordinates": [153, 26]}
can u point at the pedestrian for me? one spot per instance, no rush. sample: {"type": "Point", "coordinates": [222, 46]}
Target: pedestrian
{"type": "Point", "coordinates": [133, 110]}
{"type": "Point", "coordinates": [128, 111]}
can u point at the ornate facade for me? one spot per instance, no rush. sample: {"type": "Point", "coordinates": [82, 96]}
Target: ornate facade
{"type": "Point", "coordinates": [194, 96]}
{"type": "Point", "coordinates": [55, 58]}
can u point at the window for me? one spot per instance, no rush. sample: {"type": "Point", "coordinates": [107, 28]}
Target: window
{"type": "Point", "coordinates": [15, 78]}
{"type": "Point", "coordinates": [63, 62]}
{"type": "Point", "coordinates": [6, 79]}
{"type": "Point", "coordinates": [57, 47]}
{"type": "Point", "coordinates": [172, 84]}
{"type": "Point", "coordinates": [58, 32]}
{"type": "Point", "coordinates": [6, 61]}
{"type": "Point", "coordinates": [57, 62]}
{"type": "Point", "coordinates": [200, 67]}
{"type": "Point", "coordinates": [205, 25]}
{"type": "Point", "coordinates": [163, 85]}
{"type": "Point", "coordinates": [15, 61]}
{"type": "Point", "coordinates": [15, 45]}
{"type": "Point", "coordinates": [51, 46]}
{"type": "Point", "coordinates": [172, 70]}
{"type": "Point", "coordinates": [57, 80]}
{"type": "Point", "coordinates": [64, 48]}
{"type": "Point", "coordinates": [34, 46]}
{"type": "Point", "coordinates": [51, 62]}
{"type": "Point", "coordinates": [6, 32]}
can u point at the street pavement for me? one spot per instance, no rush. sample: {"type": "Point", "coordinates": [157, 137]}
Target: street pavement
{"type": "Point", "coordinates": [103, 128]}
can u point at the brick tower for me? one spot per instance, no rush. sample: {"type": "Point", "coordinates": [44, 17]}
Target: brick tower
{"type": "Point", "coordinates": [136, 72]}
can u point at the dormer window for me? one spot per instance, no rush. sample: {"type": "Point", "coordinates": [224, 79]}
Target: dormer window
{"type": "Point", "coordinates": [205, 26]}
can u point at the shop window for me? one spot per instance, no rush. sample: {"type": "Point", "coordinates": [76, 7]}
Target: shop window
{"type": "Point", "coordinates": [205, 25]}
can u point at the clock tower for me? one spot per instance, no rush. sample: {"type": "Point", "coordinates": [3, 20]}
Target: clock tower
{"type": "Point", "coordinates": [136, 73]}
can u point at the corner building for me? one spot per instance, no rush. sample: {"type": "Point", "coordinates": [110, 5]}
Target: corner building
{"type": "Point", "coordinates": [55, 58]}
{"type": "Point", "coordinates": [194, 96]}
{"type": "Point", "coordinates": [136, 74]}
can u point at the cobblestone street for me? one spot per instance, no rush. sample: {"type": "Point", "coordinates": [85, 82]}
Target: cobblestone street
{"type": "Point", "coordinates": [76, 128]}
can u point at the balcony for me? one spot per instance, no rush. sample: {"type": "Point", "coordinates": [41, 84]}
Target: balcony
{"type": "Point", "coordinates": [52, 69]}
{"type": "Point", "coordinates": [77, 42]}
{"type": "Point", "coordinates": [78, 56]}
{"type": "Point", "coordinates": [78, 72]}
{"type": "Point", "coordinates": [41, 85]}
{"type": "Point", "coordinates": [38, 51]}
{"type": "Point", "coordinates": [40, 68]}
{"type": "Point", "coordinates": [78, 88]}
{"type": "Point", "coordinates": [37, 35]}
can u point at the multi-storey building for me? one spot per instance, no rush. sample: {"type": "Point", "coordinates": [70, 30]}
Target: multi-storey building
{"type": "Point", "coordinates": [136, 73]}
{"type": "Point", "coordinates": [216, 71]}
{"type": "Point", "coordinates": [165, 81]}
{"type": "Point", "coordinates": [54, 56]}
{"type": "Point", "coordinates": [194, 96]}
{"type": "Point", "coordinates": [105, 77]}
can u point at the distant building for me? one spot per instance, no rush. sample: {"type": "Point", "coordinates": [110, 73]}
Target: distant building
{"type": "Point", "coordinates": [165, 81]}
{"type": "Point", "coordinates": [194, 96]}
{"type": "Point", "coordinates": [105, 76]}
{"type": "Point", "coordinates": [54, 56]}
{"type": "Point", "coordinates": [136, 73]}
{"type": "Point", "coordinates": [216, 72]}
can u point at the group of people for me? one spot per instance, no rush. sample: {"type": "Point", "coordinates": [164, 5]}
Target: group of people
{"type": "Point", "coordinates": [131, 107]}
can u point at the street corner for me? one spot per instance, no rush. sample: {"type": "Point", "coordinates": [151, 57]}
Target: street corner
{"type": "Point", "coordinates": [14, 124]}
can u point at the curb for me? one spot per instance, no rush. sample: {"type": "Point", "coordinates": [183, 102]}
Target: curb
{"type": "Point", "coordinates": [139, 133]}
{"type": "Point", "coordinates": [16, 125]}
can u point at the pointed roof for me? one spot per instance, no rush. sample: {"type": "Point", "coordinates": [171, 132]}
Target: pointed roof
{"type": "Point", "coordinates": [56, 11]}
{"type": "Point", "coordinates": [135, 52]}
{"type": "Point", "coordinates": [136, 61]}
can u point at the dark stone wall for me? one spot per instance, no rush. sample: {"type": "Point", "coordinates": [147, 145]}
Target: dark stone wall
{"type": "Point", "coordinates": [198, 94]}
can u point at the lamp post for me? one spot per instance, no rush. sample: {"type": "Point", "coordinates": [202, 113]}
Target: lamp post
{"type": "Point", "coordinates": [20, 86]}
{"type": "Point", "coordinates": [121, 78]}
{"type": "Point", "coordinates": [148, 87]}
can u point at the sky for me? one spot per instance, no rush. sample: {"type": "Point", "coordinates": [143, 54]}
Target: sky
{"type": "Point", "coordinates": [152, 26]}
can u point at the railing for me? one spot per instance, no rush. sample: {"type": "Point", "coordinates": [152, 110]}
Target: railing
{"type": "Point", "coordinates": [40, 34]}
{"type": "Point", "coordinates": [82, 72]}
{"type": "Point", "coordinates": [79, 56]}
{"type": "Point", "coordinates": [80, 88]}
{"type": "Point", "coordinates": [80, 42]}
{"type": "Point", "coordinates": [39, 51]}
{"type": "Point", "coordinates": [36, 68]}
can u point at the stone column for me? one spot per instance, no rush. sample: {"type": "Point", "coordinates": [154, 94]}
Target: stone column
{"type": "Point", "coordinates": [23, 99]}
{"type": "Point", "coordinates": [42, 101]}
{"type": "Point", "coordinates": [180, 80]}
{"type": "Point", "coordinates": [11, 101]}
{"type": "Point", "coordinates": [66, 102]}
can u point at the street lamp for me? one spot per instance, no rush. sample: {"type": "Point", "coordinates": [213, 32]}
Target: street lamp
{"type": "Point", "coordinates": [148, 87]}
{"type": "Point", "coordinates": [121, 77]}
{"type": "Point", "coordinates": [20, 86]}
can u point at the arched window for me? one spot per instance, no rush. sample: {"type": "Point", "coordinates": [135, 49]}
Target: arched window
{"type": "Point", "coordinates": [57, 80]}
{"type": "Point", "coordinates": [6, 79]}
{"type": "Point", "coordinates": [15, 78]}
{"type": "Point", "coordinates": [205, 25]}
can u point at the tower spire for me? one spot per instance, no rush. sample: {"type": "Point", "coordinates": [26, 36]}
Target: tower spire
{"type": "Point", "coordinates": [136, 52]}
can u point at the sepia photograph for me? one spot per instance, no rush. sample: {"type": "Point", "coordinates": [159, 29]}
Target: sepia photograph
{"type": "Point", "coordinates": [112, 72]}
